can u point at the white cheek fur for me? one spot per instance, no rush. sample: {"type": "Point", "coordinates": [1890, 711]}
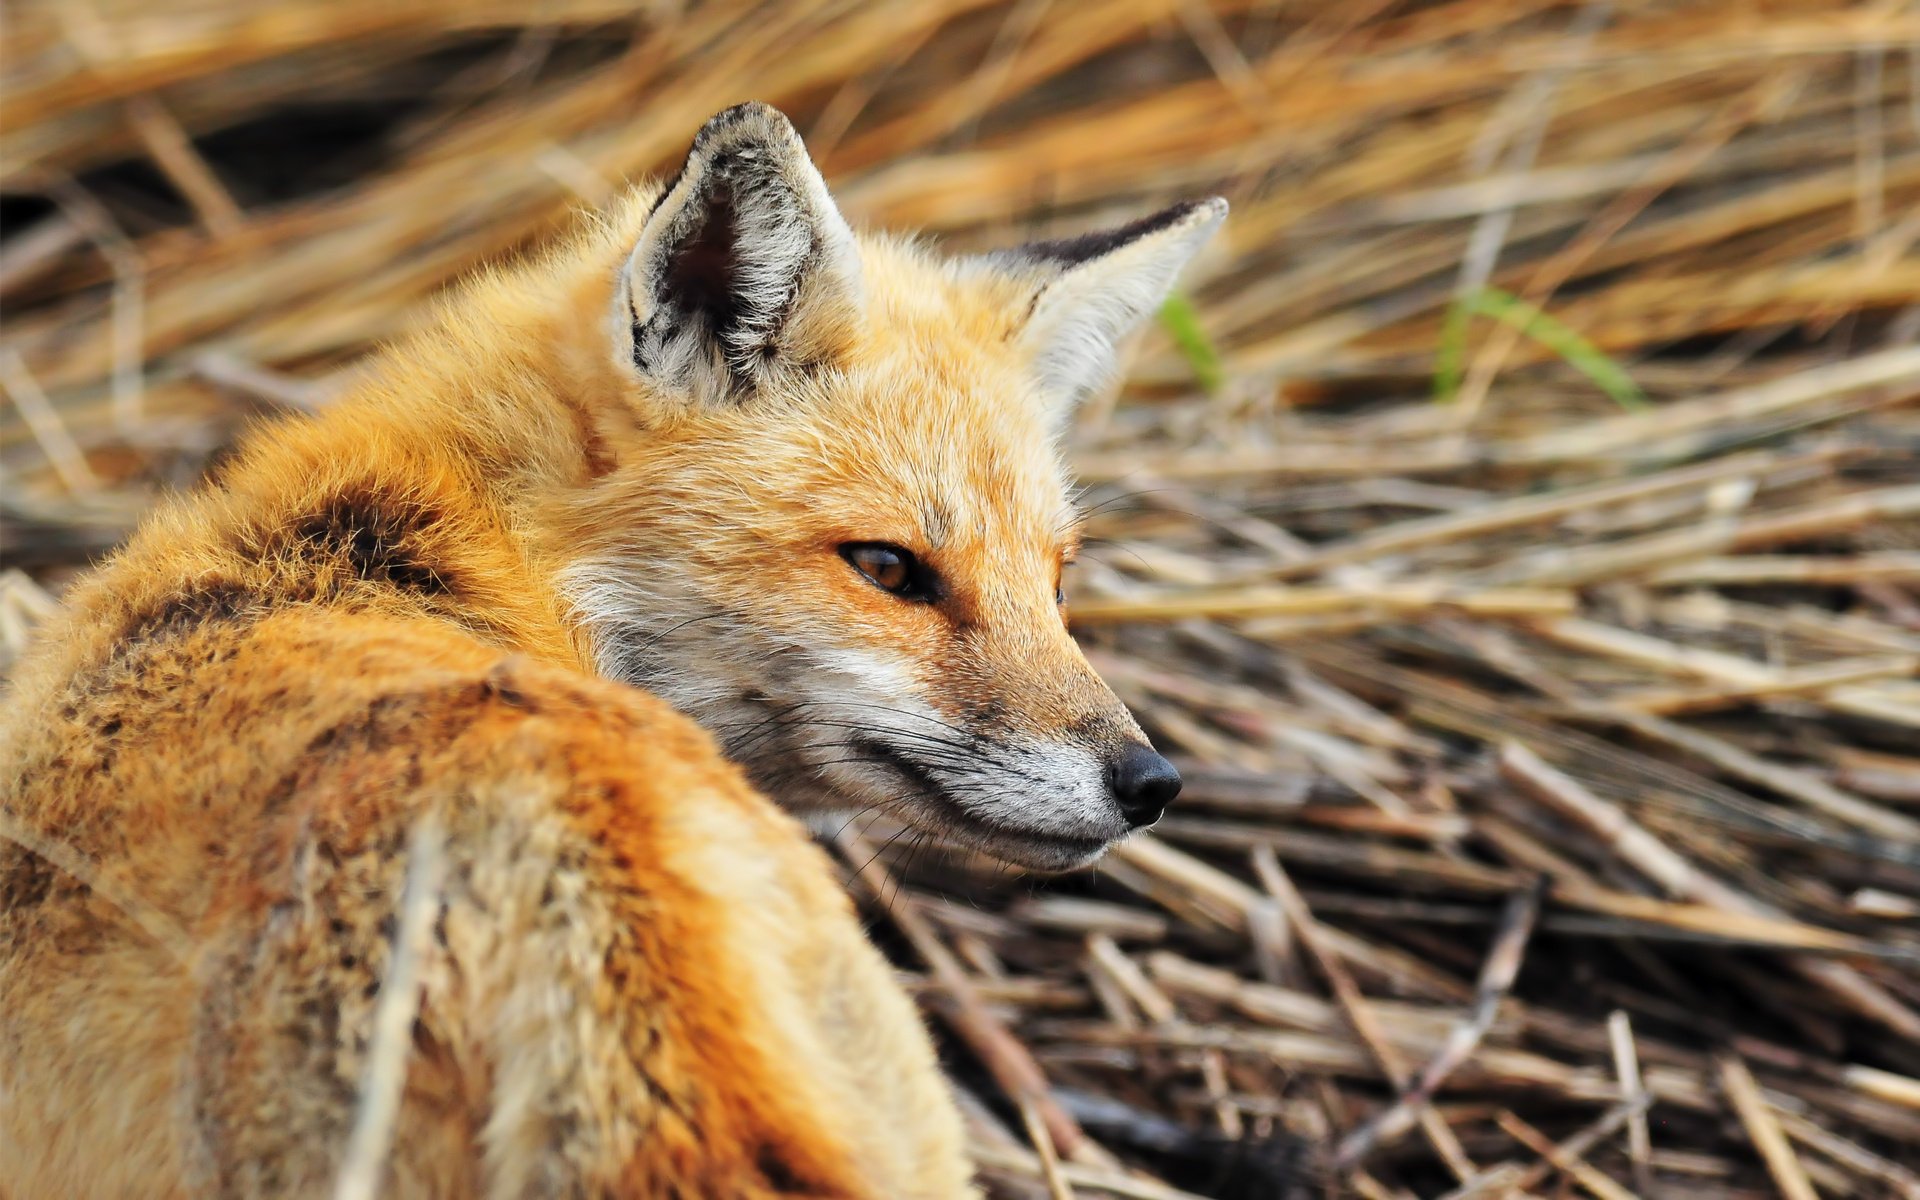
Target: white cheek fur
{"type": "Point", "coordinates": [803, 717]}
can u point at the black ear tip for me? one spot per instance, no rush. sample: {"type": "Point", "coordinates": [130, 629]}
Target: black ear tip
{"type": "Point", "coordinates": [753, 120]}
{"type": "Point", "coordinates": [1187, 212]}
{"type": "Point", "coordinates": [1187, 215]}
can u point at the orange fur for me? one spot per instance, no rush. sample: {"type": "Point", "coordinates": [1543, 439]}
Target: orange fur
{"type": "Point", "coordinates": [645, 982]}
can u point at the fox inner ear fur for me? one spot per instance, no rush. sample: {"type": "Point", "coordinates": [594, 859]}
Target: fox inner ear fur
{"type": "Point", "coordinates": [745, 267]}
{"type": "Point", "coordinates": [1094, 290]}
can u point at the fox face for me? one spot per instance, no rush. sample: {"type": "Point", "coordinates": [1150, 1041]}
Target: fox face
{"type": "Point", "coordinates": [833, 518]}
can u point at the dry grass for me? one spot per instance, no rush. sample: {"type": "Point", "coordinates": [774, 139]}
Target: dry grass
{"type": "Point", "coordinates": [1553, 823]}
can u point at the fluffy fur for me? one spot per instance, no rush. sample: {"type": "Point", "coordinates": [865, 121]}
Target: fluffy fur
{"type": "Point", "coordinates": [631, 461]}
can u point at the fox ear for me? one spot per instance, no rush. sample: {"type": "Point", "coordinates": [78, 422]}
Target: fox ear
{"type": "Point", "coordinates": [1094, 290]}
{"type": "Point", "coordinates": [744, 268]}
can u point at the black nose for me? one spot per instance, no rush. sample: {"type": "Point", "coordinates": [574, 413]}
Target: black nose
{"type": "Point", "coordinates": [1143, 784]}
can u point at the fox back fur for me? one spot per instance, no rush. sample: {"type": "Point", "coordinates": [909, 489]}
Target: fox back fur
{"type": "Point", "coordinates": [716, 502]}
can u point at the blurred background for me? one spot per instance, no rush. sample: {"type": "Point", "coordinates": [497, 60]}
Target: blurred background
{"type": "Point", "coordinates": [1513, 530]}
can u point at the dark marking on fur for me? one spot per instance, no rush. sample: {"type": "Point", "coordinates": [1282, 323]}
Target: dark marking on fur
{"type": "Point", "coordinates": [160, 624]}
{"type": "Point", "coordinates": [781, 1176]}
{"type": "Point", "coordinates": [41, 904]}
{"type": "Point", "coordinates": [356, 537]}
{"type": "Point", "coordinates": [184, 612]}
{"type": "Point", "coordinates": [386, 721]}
{"type": "Point", "coordinates": [26, 879]}
{"type": "Point", "coordinates": [594, 454]}
{"type": "Point", "coordinates": [727, 118]}
{"type": "Point", "coordinates": [916, 773]}
{"type": "Point", "coordinates": [501, 686]}
{"type": "Point", "coordinates": [1071, 252]}
{"type": "Point", "coordinates": [990, 712]}
{"type": "Point", "coordinates": [376, 538]}
{"type": "Point", "coordinates": [1026, 317]}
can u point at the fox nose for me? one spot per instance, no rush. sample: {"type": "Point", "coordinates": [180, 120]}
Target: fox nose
{"type": "Point", "coordinates": [1143, 784]}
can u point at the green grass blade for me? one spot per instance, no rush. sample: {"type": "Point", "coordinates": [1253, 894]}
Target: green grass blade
{"type": "Point", "coordinates": [1509, 309]}
{"type": "Point", "coordinates": [1182, 321]}
{"type": "Point", "coordinates": [1450, 360]}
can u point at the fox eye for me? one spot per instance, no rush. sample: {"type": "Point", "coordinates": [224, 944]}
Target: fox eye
{"type": "Point", "coordinates": [892, 569]}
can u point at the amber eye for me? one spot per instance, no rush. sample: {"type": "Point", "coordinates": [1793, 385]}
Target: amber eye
{"type": "Point", "coordinates": [892, 569]}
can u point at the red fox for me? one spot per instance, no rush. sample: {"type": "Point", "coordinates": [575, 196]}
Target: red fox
{"type": "Point", "coordinates": [719, 502]}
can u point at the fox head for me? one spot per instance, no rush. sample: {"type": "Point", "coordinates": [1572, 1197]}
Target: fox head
{"type": "Point", "coordinates": [832, 515]}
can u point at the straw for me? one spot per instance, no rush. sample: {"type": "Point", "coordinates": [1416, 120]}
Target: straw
{"type": "Point", "coordinates": [1553, 810]}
